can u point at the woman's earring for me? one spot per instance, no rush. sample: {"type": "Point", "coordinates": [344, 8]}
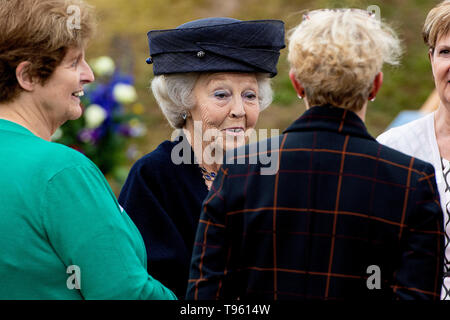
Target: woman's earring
{"type": "Point", "coordinates": [184, 115]}
{"type": "Point", "coordinates": [300, 97]}
{"type": "Point", "coordinates": [373, 99]}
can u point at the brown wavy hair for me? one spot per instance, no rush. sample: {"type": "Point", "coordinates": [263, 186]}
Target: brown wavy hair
{"type": "Point", "coordinates": [41, 32]}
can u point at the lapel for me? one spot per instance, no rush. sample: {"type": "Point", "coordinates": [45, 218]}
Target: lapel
{"type": "Point", "coordinates": [329, 118]}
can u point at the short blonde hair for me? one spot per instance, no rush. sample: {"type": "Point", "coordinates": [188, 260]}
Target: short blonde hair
{"type": "Point", "coordinates": [336, 54]}
{"type": "Point", "coordinates": [173, 93]}
{"type": "Point", "coordinates": [38, 31]}
{"type": "Point", "coordinates": [437, 24]}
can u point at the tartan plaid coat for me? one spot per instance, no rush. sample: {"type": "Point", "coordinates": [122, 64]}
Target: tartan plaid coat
{"type": "Point", "coordinates": [344, 217]}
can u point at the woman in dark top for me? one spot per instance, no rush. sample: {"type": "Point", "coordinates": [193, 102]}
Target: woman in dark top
{"type": "Point", "coordinates": [212, 78]}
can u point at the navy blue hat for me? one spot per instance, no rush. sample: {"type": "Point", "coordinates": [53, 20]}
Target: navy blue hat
{"type": "Point", "coordinates": [217, 45]}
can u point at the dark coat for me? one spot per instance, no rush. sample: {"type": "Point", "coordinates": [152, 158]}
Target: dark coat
{"type": "Point", "coordinates": [164, 201]}
{"type": "Point", "coordinates": [340, 208]}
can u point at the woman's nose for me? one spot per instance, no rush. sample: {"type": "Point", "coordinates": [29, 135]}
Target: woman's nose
{"type": "Point", "coordinates": [87, 75]}
{"type": "Point", "coordinates": [238, 108]}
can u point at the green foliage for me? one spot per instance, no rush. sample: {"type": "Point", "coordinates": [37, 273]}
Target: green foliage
{"type": "Point", "coordinates": [283, 93]}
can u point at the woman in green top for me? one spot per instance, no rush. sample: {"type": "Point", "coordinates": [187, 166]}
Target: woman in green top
{"type": "Point", "coordinates": [62, 233]}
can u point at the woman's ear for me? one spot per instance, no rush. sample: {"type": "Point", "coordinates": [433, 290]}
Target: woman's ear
{"type": "Point", "coordinates": [377, 82]}
{"type": "Point", "coordinates": [296, 84]}
{"type": "Point", "coordinates": [24, 77]}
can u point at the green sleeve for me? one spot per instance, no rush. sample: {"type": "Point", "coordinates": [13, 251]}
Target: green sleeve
{"type": "Point", "coordinates": [87, 228]}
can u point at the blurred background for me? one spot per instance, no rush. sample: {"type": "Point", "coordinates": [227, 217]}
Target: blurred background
{"type": "Point", "coordinates": [139, 126]}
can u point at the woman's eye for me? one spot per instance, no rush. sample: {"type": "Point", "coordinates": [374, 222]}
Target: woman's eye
{"type": "Point", "coordinates": [221, 94]}
{"type": "Point", "coordinates": [250, 95]}
{"type": "Point", "coordinates": [444, 51]}
{"type": "Point", "coordinates": [76, 62]}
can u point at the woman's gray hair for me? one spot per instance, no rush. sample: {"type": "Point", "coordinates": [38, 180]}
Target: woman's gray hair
{"type": "Point", "coordinates": [173, 93]}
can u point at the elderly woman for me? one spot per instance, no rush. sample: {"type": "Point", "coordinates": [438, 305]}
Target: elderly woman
{"type": "Point", "coordinates": [428, 138]}
{"type": "Point", "coordinates": [344, 217]}
{"type": "Point", "coordinates": [63, 234]}
{"type": "Point", "coordinates": [212, 79]}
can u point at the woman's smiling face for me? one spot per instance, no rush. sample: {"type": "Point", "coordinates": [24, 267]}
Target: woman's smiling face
{"type": "Point", "coordinates": [227, 102]}
{"type": "Point", "coordinates": [59, 97]}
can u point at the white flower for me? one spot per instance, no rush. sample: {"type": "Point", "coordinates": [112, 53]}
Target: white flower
{"type": "Point", "coordinates": [94, 116]}
{"type": "Point", "coordinates": [103, 66]}
{"type": "Point", "coordinates": [137, 129]}
{"type": "Point", "coordinates": [124, 93]}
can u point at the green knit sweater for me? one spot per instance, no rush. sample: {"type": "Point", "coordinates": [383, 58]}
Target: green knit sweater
{"type": "Point", "coordinates": [63, 234]}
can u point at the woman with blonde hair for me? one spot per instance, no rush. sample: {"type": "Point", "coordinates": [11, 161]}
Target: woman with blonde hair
{"type": "Point", "coordinates": [63, 234]}
{"type": "Point", "coordinates": [428, 138]}
{"type": "Point", "coordinates": [344, 217]}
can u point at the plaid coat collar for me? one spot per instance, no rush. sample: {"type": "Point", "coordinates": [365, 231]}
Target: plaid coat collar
{"type": "Point", "coordinates": [333, 119]}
